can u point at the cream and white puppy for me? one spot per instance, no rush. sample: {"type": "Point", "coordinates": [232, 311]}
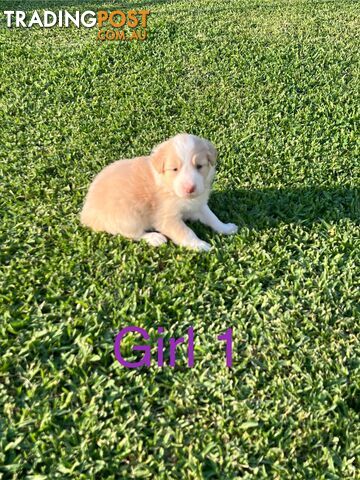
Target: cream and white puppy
{"type": "Point", "coordinates": [149, 198]}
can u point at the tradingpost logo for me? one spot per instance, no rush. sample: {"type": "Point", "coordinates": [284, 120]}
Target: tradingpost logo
{"type": "Point", "coordinates": [113, 25]}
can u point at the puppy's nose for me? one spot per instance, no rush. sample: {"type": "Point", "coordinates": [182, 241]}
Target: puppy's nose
{"type": "Point", "coordinates": [189, 188]}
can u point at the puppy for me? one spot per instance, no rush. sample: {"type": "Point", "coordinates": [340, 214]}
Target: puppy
{"type": "Point", "coordinates": [149, 198]}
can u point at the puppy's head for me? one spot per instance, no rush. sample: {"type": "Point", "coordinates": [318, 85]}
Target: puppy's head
{"type": "Point", "coordinates": [185, 164]}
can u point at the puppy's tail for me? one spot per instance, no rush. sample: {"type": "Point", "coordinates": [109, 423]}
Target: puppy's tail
{"type": "Point", "coordinates": [91, 218]}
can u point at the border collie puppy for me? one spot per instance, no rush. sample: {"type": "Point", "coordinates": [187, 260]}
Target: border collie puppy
{"type": "Point", "coordinates": [149, 198]}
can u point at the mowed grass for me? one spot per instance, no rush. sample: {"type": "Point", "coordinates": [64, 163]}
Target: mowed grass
{"type": "Point", "coordinates": [275, 86]}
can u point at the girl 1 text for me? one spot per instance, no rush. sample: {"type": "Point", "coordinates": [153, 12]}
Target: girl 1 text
{"type": "Point", "coordinates": [145, 360]}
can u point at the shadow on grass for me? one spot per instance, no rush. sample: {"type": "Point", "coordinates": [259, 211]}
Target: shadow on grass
{"type": "Point", "coordinates": [262, 208]}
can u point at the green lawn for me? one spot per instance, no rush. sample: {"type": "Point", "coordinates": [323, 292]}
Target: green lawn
{"type": "Point", "coordinates": [275, 85]}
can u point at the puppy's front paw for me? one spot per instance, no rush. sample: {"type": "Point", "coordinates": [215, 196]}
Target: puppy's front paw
{"type": "Point", "coordinates": [200, 245]}
{"type": "Point", "coordinates": [228, 229]}
{"type": "Point", "coordinates": [154, 238]}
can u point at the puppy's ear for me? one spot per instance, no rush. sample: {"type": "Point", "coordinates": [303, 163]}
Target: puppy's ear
{"type": "Point", "coordinates": [157, 158]}
{"type": "Point", "coordinates": [211, 152]}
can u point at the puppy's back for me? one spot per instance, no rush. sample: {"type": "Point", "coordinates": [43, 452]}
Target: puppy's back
{"type": "Point", "coordinates": [121, 192]}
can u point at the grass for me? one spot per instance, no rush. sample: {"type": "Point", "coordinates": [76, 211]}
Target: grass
{"type": "Point", "coordinates": [275, 86]}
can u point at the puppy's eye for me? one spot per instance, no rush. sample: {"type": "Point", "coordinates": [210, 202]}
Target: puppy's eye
{"type": "Point", "coordinates": [199, 167]}
{"type": "Point", "coordinates": [175, 169]}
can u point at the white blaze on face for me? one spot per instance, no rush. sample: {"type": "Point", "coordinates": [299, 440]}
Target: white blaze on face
{"type": "Point", "coordinates": [188, 182]}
